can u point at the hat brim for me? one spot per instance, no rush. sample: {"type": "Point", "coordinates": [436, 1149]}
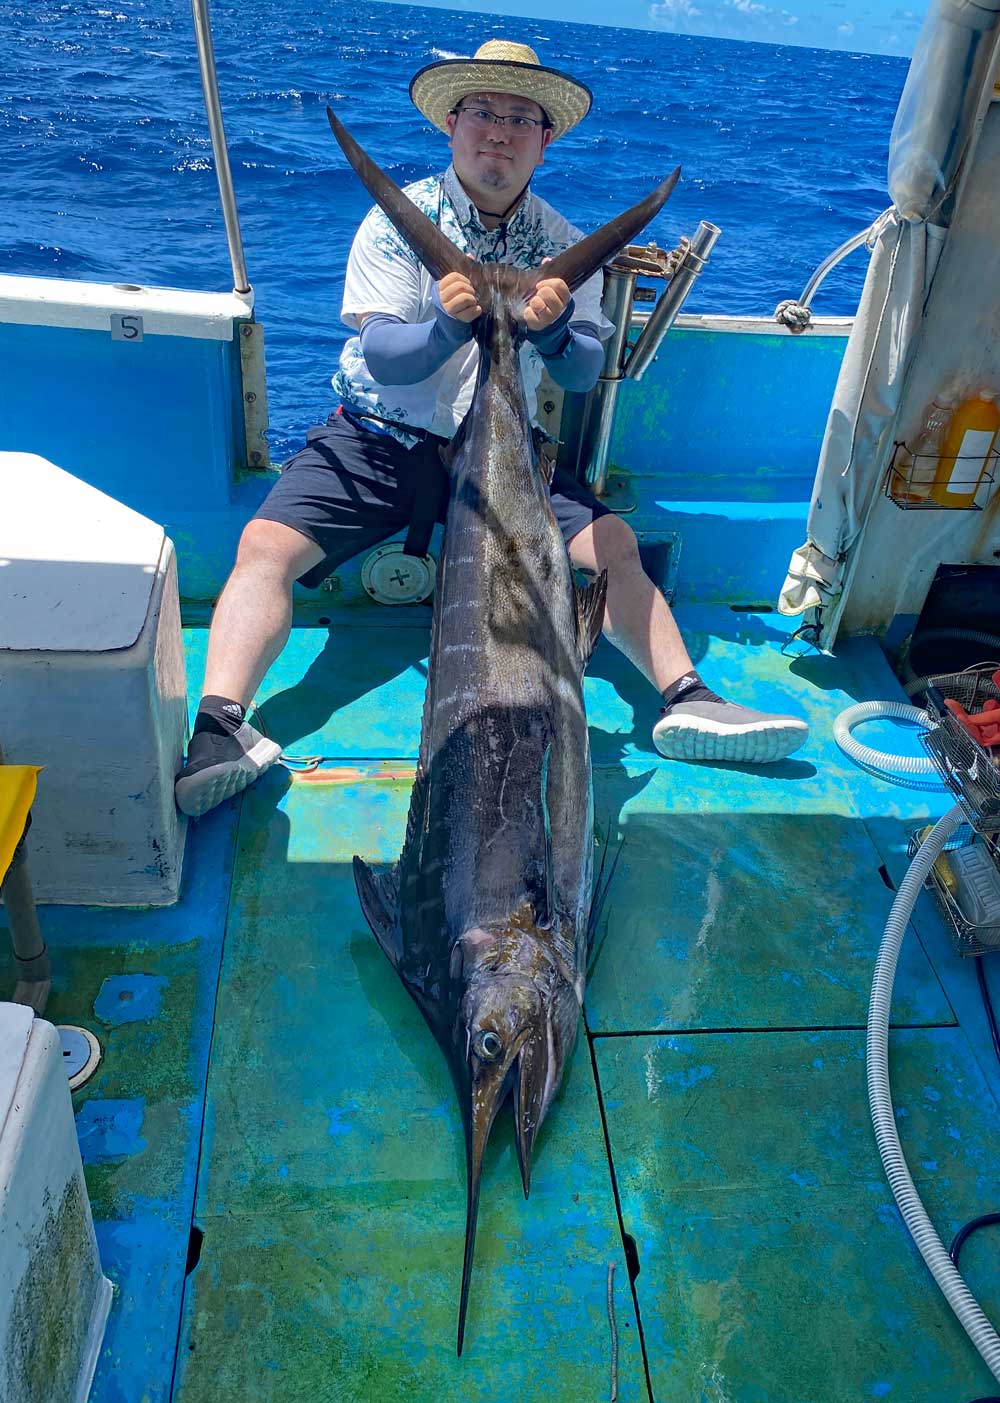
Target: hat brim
{"type": "Point", "coordinates": [437, 88]}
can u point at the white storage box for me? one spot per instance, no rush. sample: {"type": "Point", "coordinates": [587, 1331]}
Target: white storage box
{"type": "Point", "coordinates": [92, 686]}
{"type": "Point", "coordinates": [54, 1299]}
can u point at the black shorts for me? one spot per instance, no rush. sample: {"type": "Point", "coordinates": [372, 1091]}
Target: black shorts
{"type": "Point", "coordinates": [351, 488]}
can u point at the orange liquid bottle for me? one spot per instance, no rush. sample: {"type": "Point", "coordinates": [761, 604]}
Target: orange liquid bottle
{"type": "Point", "coordinates": [967, 451]}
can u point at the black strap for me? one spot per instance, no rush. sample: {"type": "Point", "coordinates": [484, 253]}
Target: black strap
{"type": "Point", "coordinates": [428, 494]}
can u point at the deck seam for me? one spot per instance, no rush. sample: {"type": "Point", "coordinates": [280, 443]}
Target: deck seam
{"type": "Point", "coordinates": [204, 1103]}
{"type": "Point", "coordinates": [803, 1028]}
{"type": "Point", "coordinates": [618, 1203]}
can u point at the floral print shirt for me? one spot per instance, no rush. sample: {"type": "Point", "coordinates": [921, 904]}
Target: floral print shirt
{"type": "Point", "coordinates": [384, 275]}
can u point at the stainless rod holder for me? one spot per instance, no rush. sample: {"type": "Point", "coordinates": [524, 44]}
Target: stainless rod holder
{"type": "Point", "coordinates": [619, 289]}
{"type": "Point", "coordinates": [619, 363]}
{"type": "Point", "coordinates": [672, 299]}
{"type": "Point", "coordinates": [213, 110]}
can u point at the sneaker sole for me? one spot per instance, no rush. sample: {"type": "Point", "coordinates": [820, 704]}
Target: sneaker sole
{"type": "Point", "coordinates": [210, 786]}
{"type": "Point", "coordinates": [762, 743]}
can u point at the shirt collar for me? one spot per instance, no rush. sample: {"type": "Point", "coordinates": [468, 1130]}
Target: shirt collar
{"type": "Point", "coordinates": [465, 208]}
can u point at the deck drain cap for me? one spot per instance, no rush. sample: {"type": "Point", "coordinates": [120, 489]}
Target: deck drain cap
{"type": "Point", "coordinates": [81, 1053]}
{"type": "Point", "coordinates": [391, 577]}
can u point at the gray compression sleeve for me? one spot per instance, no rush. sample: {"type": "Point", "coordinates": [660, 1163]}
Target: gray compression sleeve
{"type": "Point", "coordinates": [404, 353]}
{"type": "Point", "coordinates": [572, 351]}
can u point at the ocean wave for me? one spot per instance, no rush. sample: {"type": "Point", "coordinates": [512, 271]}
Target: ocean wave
{"type": "Point", "coordinates": [108, 172]}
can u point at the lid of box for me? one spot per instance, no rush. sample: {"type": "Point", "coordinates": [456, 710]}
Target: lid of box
{"type": "Point", "coordinates": [15, 1029]}
{"type": "Point", "coordinates": [77, 568]}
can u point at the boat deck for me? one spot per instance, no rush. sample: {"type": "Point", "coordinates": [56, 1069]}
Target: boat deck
{"type": "Point", "coordinates": [272, 1144]}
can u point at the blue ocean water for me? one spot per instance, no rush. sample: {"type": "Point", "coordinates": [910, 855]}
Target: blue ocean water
{"type": "Point", "coordinates": [108, 172]}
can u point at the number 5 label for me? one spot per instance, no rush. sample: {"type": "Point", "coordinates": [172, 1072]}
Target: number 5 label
{"type": "Point", "coordinates": [125, 328]}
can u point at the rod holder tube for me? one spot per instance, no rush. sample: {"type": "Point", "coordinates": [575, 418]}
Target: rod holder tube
{"type": "Point", "coordinates": [619, 289]}
{"type": "Point", "coordinates": [673, 297]}
{"type": "Point", "coordinates": [213, 110]}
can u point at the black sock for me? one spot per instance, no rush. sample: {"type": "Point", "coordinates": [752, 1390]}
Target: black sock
{"type": "Point", "coordinates": [220, 715]}
{"type": "Point", "coordinates": [689, 688]}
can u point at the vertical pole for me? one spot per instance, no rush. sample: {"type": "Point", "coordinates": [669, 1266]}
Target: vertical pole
{"type": "Point", "coordinates": [213, 109]}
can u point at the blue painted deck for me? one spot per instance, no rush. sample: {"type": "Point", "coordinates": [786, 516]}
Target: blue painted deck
{"type": "Point", "coordinates": [267, 1080]}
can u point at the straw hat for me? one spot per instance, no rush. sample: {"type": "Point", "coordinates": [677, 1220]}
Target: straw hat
{"type": "Point", "coordinates": [499, 66]}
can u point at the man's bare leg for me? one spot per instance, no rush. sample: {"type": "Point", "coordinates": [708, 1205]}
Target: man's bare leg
{"type": "Point", "coordinates": [253, 616]}
{"type": "Point", "coordinates": [637, 618]}
{"type": "Point", "coordinates": [250, 627]}
{"type": "Point", "coordinates": [697, 724]}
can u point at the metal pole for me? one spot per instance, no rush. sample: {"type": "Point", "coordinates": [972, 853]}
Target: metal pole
{"type": "Point", "coordinates": [670, 303]}
{"type": "Point", "coordinates": [213, 110]}
{"type": "Point", "coordinates": [619, 286]}
{"type": "Point", "coordinates": [830, 263]}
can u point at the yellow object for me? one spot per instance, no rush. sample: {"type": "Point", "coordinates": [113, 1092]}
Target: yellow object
{"type": "Point", "coordinates": [967, 452]}
{"type": "Point", "coordinates": [945, 871]}
{"type": "Point", "coordinates": [17, 791]}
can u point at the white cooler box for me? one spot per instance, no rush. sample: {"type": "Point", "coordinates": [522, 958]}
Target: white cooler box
{"type": "Point", "coordinates": [92, 686]}
{"type": "Point", "coordinates": [54, 1299]}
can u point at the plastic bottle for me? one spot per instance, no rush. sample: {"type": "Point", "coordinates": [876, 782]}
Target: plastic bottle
{"type": "Point", "coordinates": [967, 453]}
{"type": "Point", "coordinates": [913, 473]}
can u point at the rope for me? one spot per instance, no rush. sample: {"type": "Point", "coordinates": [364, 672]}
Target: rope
{"type": "Point", "coordinates": [793, 315]}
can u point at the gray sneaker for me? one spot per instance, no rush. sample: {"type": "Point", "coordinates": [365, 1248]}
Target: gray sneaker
{"type": "Point", "coordinates": [217, 767]}
{"type": "Point", "coordinates": [721, 730]}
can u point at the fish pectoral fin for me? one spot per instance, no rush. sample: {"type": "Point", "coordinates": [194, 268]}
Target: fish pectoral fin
{"type": "Point", "coordinates": [378, 893]}
{"type": "Point", "coordinates": [590, 615]}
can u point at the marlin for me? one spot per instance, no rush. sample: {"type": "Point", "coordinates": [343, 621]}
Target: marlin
{"type": "Point", "coordinates": [489, 914]}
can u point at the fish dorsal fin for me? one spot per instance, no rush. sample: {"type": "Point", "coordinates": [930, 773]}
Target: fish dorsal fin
{"type": "Point", "coordinates": [378, 893]}
{"type": "Point", "coordinates": [435, 250]}
{"type": "Point", "coordinates": [590, 614]}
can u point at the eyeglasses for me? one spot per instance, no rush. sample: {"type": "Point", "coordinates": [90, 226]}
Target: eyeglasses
{"type": "Point", "coordinates": [482, 119]}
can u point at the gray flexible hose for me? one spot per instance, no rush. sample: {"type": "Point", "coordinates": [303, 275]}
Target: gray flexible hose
{"type": "Point", "coordinates": [933, 1251]}
{"type": "Point", "coordinates": [852, 716]}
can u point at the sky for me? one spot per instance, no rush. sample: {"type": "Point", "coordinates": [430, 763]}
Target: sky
{"type": "Point", "coordinates": [860, 26]}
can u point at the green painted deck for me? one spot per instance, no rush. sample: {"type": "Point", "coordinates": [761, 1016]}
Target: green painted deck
{"type": "Point", "coordinates": [268, 1080]}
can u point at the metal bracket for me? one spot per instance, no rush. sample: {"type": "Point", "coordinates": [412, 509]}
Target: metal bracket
{"type": "Point", "coordinates": [254, 376]}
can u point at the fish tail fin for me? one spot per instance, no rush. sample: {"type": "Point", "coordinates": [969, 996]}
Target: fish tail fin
{"type": "Point", "coordinates": [436, 252]}
{"type": "Point", "coordinates": [575, 265]}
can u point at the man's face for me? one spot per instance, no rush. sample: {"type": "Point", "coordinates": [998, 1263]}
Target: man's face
{"type": "Point", "coordinates": [494, 159]}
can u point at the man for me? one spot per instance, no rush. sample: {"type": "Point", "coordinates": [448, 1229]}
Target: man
{"type": "Point", "coordinates": [405, 382]}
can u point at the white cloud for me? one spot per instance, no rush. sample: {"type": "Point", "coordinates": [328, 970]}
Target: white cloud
{"type": "Point", "coordinates": [673, 9]}
{"type": "Point", "coordinates": [847, 28]}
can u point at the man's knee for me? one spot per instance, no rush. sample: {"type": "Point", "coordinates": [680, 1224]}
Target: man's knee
{"type": "Point", "coordinates": [274, 549]}
{"type": "Point", "coordinates": [608, 543]}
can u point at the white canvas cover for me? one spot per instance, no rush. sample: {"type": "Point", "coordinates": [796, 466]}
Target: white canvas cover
{"type": "Point", "coordinates": [930, 139]}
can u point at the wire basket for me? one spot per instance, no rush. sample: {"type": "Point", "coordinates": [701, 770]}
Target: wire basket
{"type": "Point", "coordinates": [909, 481]}
{"type": "Point", "coordinates": [970, 770]}
{"type": "Point", "coordinates": [971, 936]}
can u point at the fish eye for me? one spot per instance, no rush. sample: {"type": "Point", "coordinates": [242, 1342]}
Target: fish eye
{"type": "Point", "coordinates": [488, 1046]}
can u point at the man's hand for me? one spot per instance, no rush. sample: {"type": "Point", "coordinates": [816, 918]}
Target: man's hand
{"type": "Point", "coordinates": [458, 297]}
{"type": "Point", "coordinates": [549, 299]}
